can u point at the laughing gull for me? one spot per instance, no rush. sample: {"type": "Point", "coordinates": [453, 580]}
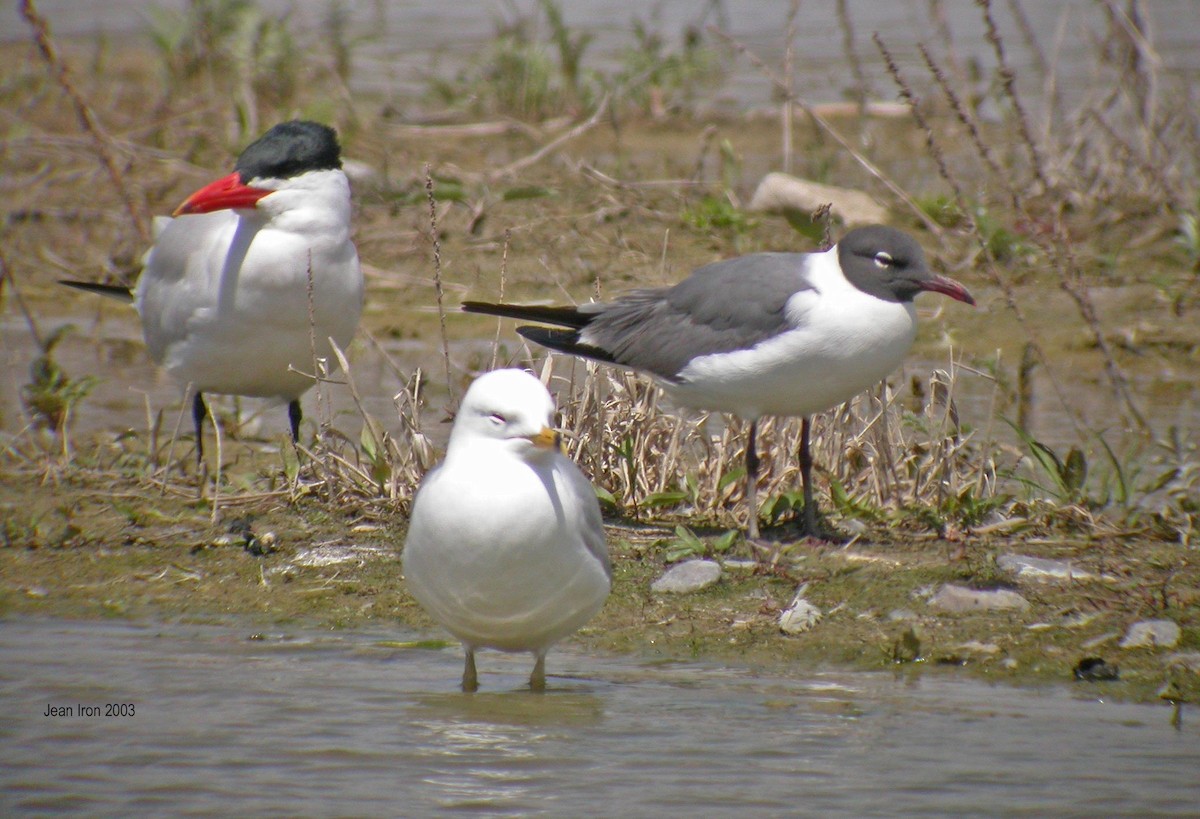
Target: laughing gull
{"type": "Point", "coordinates": [787, 334]}
{"type": "Point", "coordinates": [225, 297]}
{"type": "Point", "coordinates": [505, 548]}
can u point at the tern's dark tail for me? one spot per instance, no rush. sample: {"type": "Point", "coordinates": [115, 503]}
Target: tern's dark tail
{"type": "Point", "coordinates": [558, 316]}
{"type": "Point", "coordinates": [112, 291]}
{"type": "Point", "coordinates": [564, 341]}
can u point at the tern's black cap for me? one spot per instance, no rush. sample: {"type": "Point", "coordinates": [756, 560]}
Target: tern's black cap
{"type": "Point", "coordinates": [290, 149]}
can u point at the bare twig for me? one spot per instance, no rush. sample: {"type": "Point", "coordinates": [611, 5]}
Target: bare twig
{"type": "Point", "coordinates": [437, 278]}
{"type": "Point", "coordinates": [553, 145]}
{"type": "Point", "coordinates": [1008, 79]}
{"type": "Point", "coordinates": [62, 74]}
{"type": "Point", "coordinates": [932, 226]}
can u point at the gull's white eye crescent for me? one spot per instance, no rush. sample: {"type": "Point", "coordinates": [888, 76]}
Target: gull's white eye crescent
{"type": "Point", "coordinates": [883, 259]}
{"type": "Point", "coordinates": [496, 419]}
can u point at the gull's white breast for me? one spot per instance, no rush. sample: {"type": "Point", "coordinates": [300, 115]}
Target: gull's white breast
{"type": "Point", "coordinates": [496, 552]}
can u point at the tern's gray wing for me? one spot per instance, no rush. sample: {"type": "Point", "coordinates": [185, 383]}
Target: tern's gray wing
{"type": "Point", "coordinates": [722, 307]}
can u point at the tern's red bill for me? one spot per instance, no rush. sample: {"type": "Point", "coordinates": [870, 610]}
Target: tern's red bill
{"type": "Point", "coordinates": [226, 193]}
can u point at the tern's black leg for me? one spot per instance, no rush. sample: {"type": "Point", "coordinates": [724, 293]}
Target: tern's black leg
{"type": "Point", "coordinates": [294, 416]}
{"type": "Point", "coordinates": [810, 510]}
{"type": "Point", "coordinates": [752, 479]}
{"type": "Point", "coordinates": [199, 410]}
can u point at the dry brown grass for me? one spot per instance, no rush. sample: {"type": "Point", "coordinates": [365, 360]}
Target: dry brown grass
{"type": "Point", "coordinates": [1040, 200]}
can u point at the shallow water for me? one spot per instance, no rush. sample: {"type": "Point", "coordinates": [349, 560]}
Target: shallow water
{"type": "Point", "coordinates": [324, 723]}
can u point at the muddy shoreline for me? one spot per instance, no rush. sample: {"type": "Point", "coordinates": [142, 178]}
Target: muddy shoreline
{"type": "Point", "coordinates": [127, 551]}
{"type": "Point", "coordinates": [94, 527]}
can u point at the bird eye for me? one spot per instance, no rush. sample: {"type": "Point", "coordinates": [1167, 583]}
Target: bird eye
{"type": "Point", "coordinates": [883, 259]}
{"type": "Point", "coordinates": [497, 420]}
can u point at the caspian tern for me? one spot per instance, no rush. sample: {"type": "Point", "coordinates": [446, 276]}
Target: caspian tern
{"type": "Point", "coordinates": [787, 334]}
{"type": "Point", "coordinates": [254, 275]}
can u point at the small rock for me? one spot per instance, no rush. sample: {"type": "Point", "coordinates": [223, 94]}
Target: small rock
{"type": "Point", "coordinates": [853, 527]}
{"type": "Point", "coordinates": [1065, 619]}
{"type": "Point", "coordinates": [1095, 669]}
{"type": "Point", "coordinates": [800, 615]}
{"type": "Point", "coordinates": [959, 598]}
{"type": "Point", "coordinates": [780, 192]}
{"type": "Point", "coordinates": [1164, 633]}
{"type": "Point", "coordinates": [1185, 661]}
{"type": "Point", "coordinates": [1100, 640]}
{"type": "Point", "coordinates": [901, 615]}
{"type": "Point", "coordinates": [976, 647]}
{"type": "Point", "coordinates": [329, 554]}
{"type": "Point", "coordinates": [361, 173]}
{"type": "Point", "coordinates": [1040, 568]}
{"type": "Point", "coordinates": [907, 648]}
{"type": "Point", "coordinates": [689, 576]}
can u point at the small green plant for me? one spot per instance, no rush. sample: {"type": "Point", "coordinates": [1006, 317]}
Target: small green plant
{"type": "Point", "coordinates": [248, 54]}
{"type": "Point", "coordinates": [658, 80]}
{"type": "Point", "coordinates": [942, 209]}
{"type": "Point", "coordinates": [688, 544]}
{"type": "Point", "coordinates": [1188, 237]}
{"type": "Point", "coordinates": [1066, 477]}
{"type": "Point", "coordinates": [51, 394]}
{"type": "Point", "coordinates": [521, 76]}
{"type": "Point", "coordinates": [1003, 244]}
{"type": "Point", "coordinates": [712, 213]}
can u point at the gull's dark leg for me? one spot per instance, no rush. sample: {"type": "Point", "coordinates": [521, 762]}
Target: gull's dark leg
{"type": "Point", "coordinates": [752, 480]}
{"type": "Point", "coordinates": [199, 410]}
{"type": "Point", "coordinates": [470, 680]}
{"type": "Point", "coordinates": [810, 509]}
{"type": "Point", "coordinates": [294, 416]}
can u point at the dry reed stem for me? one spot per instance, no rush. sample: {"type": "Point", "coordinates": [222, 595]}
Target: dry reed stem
{"type": "Point", "coordinates": [553, 145]}
{"type": "Point", "coordinates": [783, 87]}
{"type": "Point", "coordinates": [6, 275]}
{"type": "Point", "coordinates": [788, 102]}
{"type": "Point", "coordinates": [1059, 251]}
{"type": "Point", "coordinates": [1008, 80]}
{"type": "Point", "coordinates": [437, 279]}
{"type": "Point", "coordinates": [861, 91]}
{"type": "Point", "coordinates": [103, 145]}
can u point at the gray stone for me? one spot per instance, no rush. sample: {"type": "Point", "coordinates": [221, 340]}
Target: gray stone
{"type": "Point", "coordinates": [800, 615]}
{"type": "Point", "coordinates": [689, 576]}
{"type": "Point", "coordinates": [779, 192]}
{"type": "Point", "coordinates": [1163, 633]}
{"type": "Point", "coordinates": [330, 554]}
{"type": "Point", "coordinates": [1186, 661]}
{"type": "Point", "coordinates": [1040, 568]}
{"type": "Point", "coordinates": [976, 647]}
{"type": "Point", "coordinates": [959, 599]}
{"type": "Point", "coordinates": [1096, 642]}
